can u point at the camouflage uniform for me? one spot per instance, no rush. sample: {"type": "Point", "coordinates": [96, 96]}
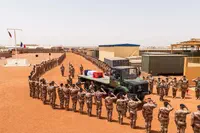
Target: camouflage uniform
{"type": "Point", "coordinates": [99, 96]}
{"type": "Point", "coordinates": [37, 89]}
{"type": "Point", "coordinates": [109, 106]}
{"type": "Point", "coordinates": [147, 112]}
{"type": "Point", "coordinates": [81, 70]}
{"type": "Point", "coordinates": [180, 120]}
{"type": "Point", "coordinates": [162, 91]}
{"type": "Point", "coordinates": [52, 95]}
{"type": "Point", "coordinates": [66, 92]}
{"type": "Point", "coordinates": [184, 87]}
{"type": "Point", "coordinates": [74, 92]}
{"type": "Point", "coordinates": [158, 86]}
{"type": "Point", "coordinates": [197, 88]}
{"type": "Point", "coordinates": [33, 88]}
{"type": "Point", "coordinates": [196, 121]}
{"type": "Point", "coordinates": [62, 69]}
{"type": "Point", "coordinates": [81, 100]}
{"type": "Point", "coordinates": [163, 117]}
{"type": "Point", "coordinates": [174, 88]}
{"type": "Point", "coordinates": [44, 93]}
{"type": "Point", "coordinates": [121, 106]}
{"type": "Point", "coordinates": [88, 97]}
{"type": "Point", "coordinates": [166, 90]}
{"type": "Point", "coordinates": [61, 97]}
{"type": "Point", "coordinates": [133, 107]}
{"type": "Point", "coordinates": [151, 81]}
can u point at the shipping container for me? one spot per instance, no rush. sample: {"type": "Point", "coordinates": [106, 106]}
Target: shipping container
{"type": "Point", "coordinates": [171, 64]}
{"type": "Point", "coordinates": [116, 61]}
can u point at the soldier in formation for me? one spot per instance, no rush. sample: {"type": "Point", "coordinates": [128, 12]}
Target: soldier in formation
{"type": "Point", "coordinates": [44, 91]}
{"type": "Point", "coordinates": [88, 97]}
{"type": "Point", "coordinates": [174, 83]}
{"type": "Point", "coordinates": [158, 82]}
{"type": "Point", "coordinates": [99, 95]}
{"type": "Point", "coordinates": [133, 108]}
{"type": "Point", "coordinates": [66, 91]}
{"type": "Point", "coordinates": [147, 112]}
{"type": "Point", "coordinates": [61, 95]}
{"type": "Point", "coordinates": [81, 100]}
{"type": "Point", "coordinates": [162, 87]}
{"type": "Point", "coordinates": [151, 82]}
{"type": "Point", "coordinates": [163, 117]}
{"type": "Point", "coordinates": [197, 87]}
{"type": "Point", "coordinates": [52, 94]}
{"type": "Point", "coordinates": [195, 120]}
{"type": "Point", "coordinates": [109, 105]}
{"type": "Point", "coordinates": [62, 69]}
{"type": "Point", "coordinates": [74, 96]}
{"type": "Point", "coordinates": [167, 85]}
{"type": "Point", "coordinates": [121, 107]}
{"type": "Point", "coordinates": [184, 86]}
{"type": "Point", "coordinates": [180, 118]}
{"type": "Point", "coordinates": [81, 69]}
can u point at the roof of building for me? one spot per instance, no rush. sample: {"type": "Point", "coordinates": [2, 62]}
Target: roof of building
{"type": "Point", "coordinates": [115, 58]}
{"type": "Point", "coordinates": [120, 45]}
{"type": "Point", "coordinates": [175, 55]}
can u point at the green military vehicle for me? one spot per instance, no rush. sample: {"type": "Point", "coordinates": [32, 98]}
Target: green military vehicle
{"type": "Point", "coordinates": [123, 80]}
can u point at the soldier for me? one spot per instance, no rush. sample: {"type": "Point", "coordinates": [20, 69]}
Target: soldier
{"type": "Point", "coordinates": [40, 88]}
{"type": "Point", "coordinates": [158, 85]}
{"type": "Point", "coordinates": [30, 85]}
{"type": "Point", "coordinates": [52, 94]}
{"type": "Point", "coordinates": [121, 105]}
{"type": "Point", "coordinates": [163, 116]}
{"type": "Point", "coordinates": [109, 105]}
{"type": "Point", "coordinates": [88, 97]}
{"type": "Point", "coordinates": [61, 95]}
{"type": "Point", "coordinates": [184, 86]}
{"type": "Point", "coordinates": [174, 87]}
{"type": "Point", "coordinates": [81, 69]}
{"type": "Point", "coordinates": [180, 118]}
{"type": "Point", "coordinates": [44, 91]}
{"type": "Point", "coordinates": [167, 86]}
{"type": "Point", "coordinates": [99, 95]}
{"type": "Point", "coordinates": [37, 88]}
{"type": "Point", "coordinates": [62, 69]}
{"type": "Point", "coordinates": [133, 107]}
{"type": "Point", "coordinates": [151, 82]}
{"type": "Point", "coordinates": [74, 92]}
{"type": "Point", "coordinates": [81, 100]}
{"type": "Point", "coordinates": [162, 90]}
{"type": "Point", "coordinates": [197, 88]}
{"type": "Point", "coordinates": [147, 112]}
{"type": "Point", "coordinates": [92, 89]}
{"type": "Point", "coordinates": [195, 120]}
{"type": "Point", "coordinates": [73, 72]}
{"type": "Point", "coordinates": [66, 91]}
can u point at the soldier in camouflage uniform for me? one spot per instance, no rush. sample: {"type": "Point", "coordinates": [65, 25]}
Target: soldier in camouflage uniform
{"type": "Point", "coordinates": [151, 82]}
{"type": "Point", "coordinates": [33, 88]}
{"type": "Point", "coordinates": [37, 88]}
{"type": "Point", "coordinates": [195, 120]}
{"type": "Point", "coordinates": [61, 95]}
{"type": "Point", "coordinates": [30, 85]}
{"type": "Point", "coordinates": [162, 90]}
{"type": "Point", "coordinates": [44, 91]}
{"type": "Point", "coordinates": [52, 94]}
{"type": "Point", "coordinates": [184, 86]}
{"type": "Point", "coordinates": [163, 116]}
{"type": "Point", "coordinates": [121, 106]}
{"type": "Point", "coordinates": [174, 87]}
{"type": "Point", "coordinates": [197, 88]}
{"type": "Point", "coordinates": [167, 83]}
{"type": "Point", "coordinates": [99, 95]}
{"type": "Point", "coordinates": [40, 88]}
{"type": "Point", "coordinates": [73, 72]}
{"type": "Point", "coordinates": [74, 97]}
{"type": "Point", "coordinates": [92, 89]}
{"type": "Point", "coordinates": [180, 118]}
{"type": "Point", "coordinates": [81, 100]}
{"type": "Point", "coordinates": [109, 105]}
{"type": "Point", "coordinates": [147, 112]}
{"type": "Point", "coordinates": [88, 98]}
{"type": "Point", "coordinates": [158, 85]}
{"type": "Point", "coordinates": [133, 104]}
{"type": "Point", "coordinates": [62, 69]}
{"type": "Point", "coordinates": [66, 91]}
{"type": "Point", "coordinates": [81, 69]}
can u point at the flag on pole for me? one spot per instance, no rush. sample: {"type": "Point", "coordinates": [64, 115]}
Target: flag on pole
{"type": "Point", "coordinates": [10, 34]}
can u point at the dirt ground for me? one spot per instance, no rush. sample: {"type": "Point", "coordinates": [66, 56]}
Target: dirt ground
{"type": "Point", "coordinates": [21, 114]}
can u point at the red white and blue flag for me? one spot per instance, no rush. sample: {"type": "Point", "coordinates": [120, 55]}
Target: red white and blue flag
{"type": "Point", "coordinates": [22, 45]}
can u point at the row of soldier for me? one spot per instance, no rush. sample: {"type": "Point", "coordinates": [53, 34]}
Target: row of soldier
{"type": "Point", "coordinates": [163, 86]}
{"type": "Point", "coordinates": [102, 65]}
{"type": "Point", "coordinates": [123, 103]}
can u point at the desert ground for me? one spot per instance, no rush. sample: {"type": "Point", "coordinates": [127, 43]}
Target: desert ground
{"type": "Point", "coordinates": [19, 113]}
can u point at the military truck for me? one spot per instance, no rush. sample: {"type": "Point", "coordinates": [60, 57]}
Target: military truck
{"type": "Point", "coordinates": [122, 80]}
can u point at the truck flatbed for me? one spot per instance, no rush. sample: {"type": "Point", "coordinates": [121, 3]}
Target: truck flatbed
{"type": "Point", "coordinates": [104, 80]}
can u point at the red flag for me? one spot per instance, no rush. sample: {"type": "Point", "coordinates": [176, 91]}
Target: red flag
{"type": "Point", "coordinates": [9, 34]}
{"type": "Point", "coordinates": [24, 46]}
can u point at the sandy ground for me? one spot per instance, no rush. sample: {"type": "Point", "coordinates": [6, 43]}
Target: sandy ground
{"type": "Point", "coordinates": [21, 114]}
{"type": "Point", "coordinates": [31, 57]}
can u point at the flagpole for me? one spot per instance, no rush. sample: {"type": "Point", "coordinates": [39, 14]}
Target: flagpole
{"type": "Point", "coordinates": [15, 39]}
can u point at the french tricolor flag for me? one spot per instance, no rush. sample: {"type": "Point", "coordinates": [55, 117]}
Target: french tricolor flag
{"type": "Point", "coordinates": [22, 45]}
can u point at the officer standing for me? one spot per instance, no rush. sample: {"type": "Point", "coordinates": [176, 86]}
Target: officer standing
{"type": "Point", "coordinates": [163, 116]}
{"type": "Point", "coordinates": [184, 86]}
{"type": "Point", "coordinates": [62, 69]}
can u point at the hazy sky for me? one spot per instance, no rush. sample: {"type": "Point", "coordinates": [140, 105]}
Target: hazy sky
{"type": "Point", "coordinates": [93, 22]}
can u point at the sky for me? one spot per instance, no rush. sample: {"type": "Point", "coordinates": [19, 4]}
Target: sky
{"type": "Point", "coordinates": [94, 22]}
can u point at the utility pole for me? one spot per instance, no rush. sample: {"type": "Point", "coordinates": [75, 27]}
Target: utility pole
{"type": "Point", "coordinates": [15, 38]}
